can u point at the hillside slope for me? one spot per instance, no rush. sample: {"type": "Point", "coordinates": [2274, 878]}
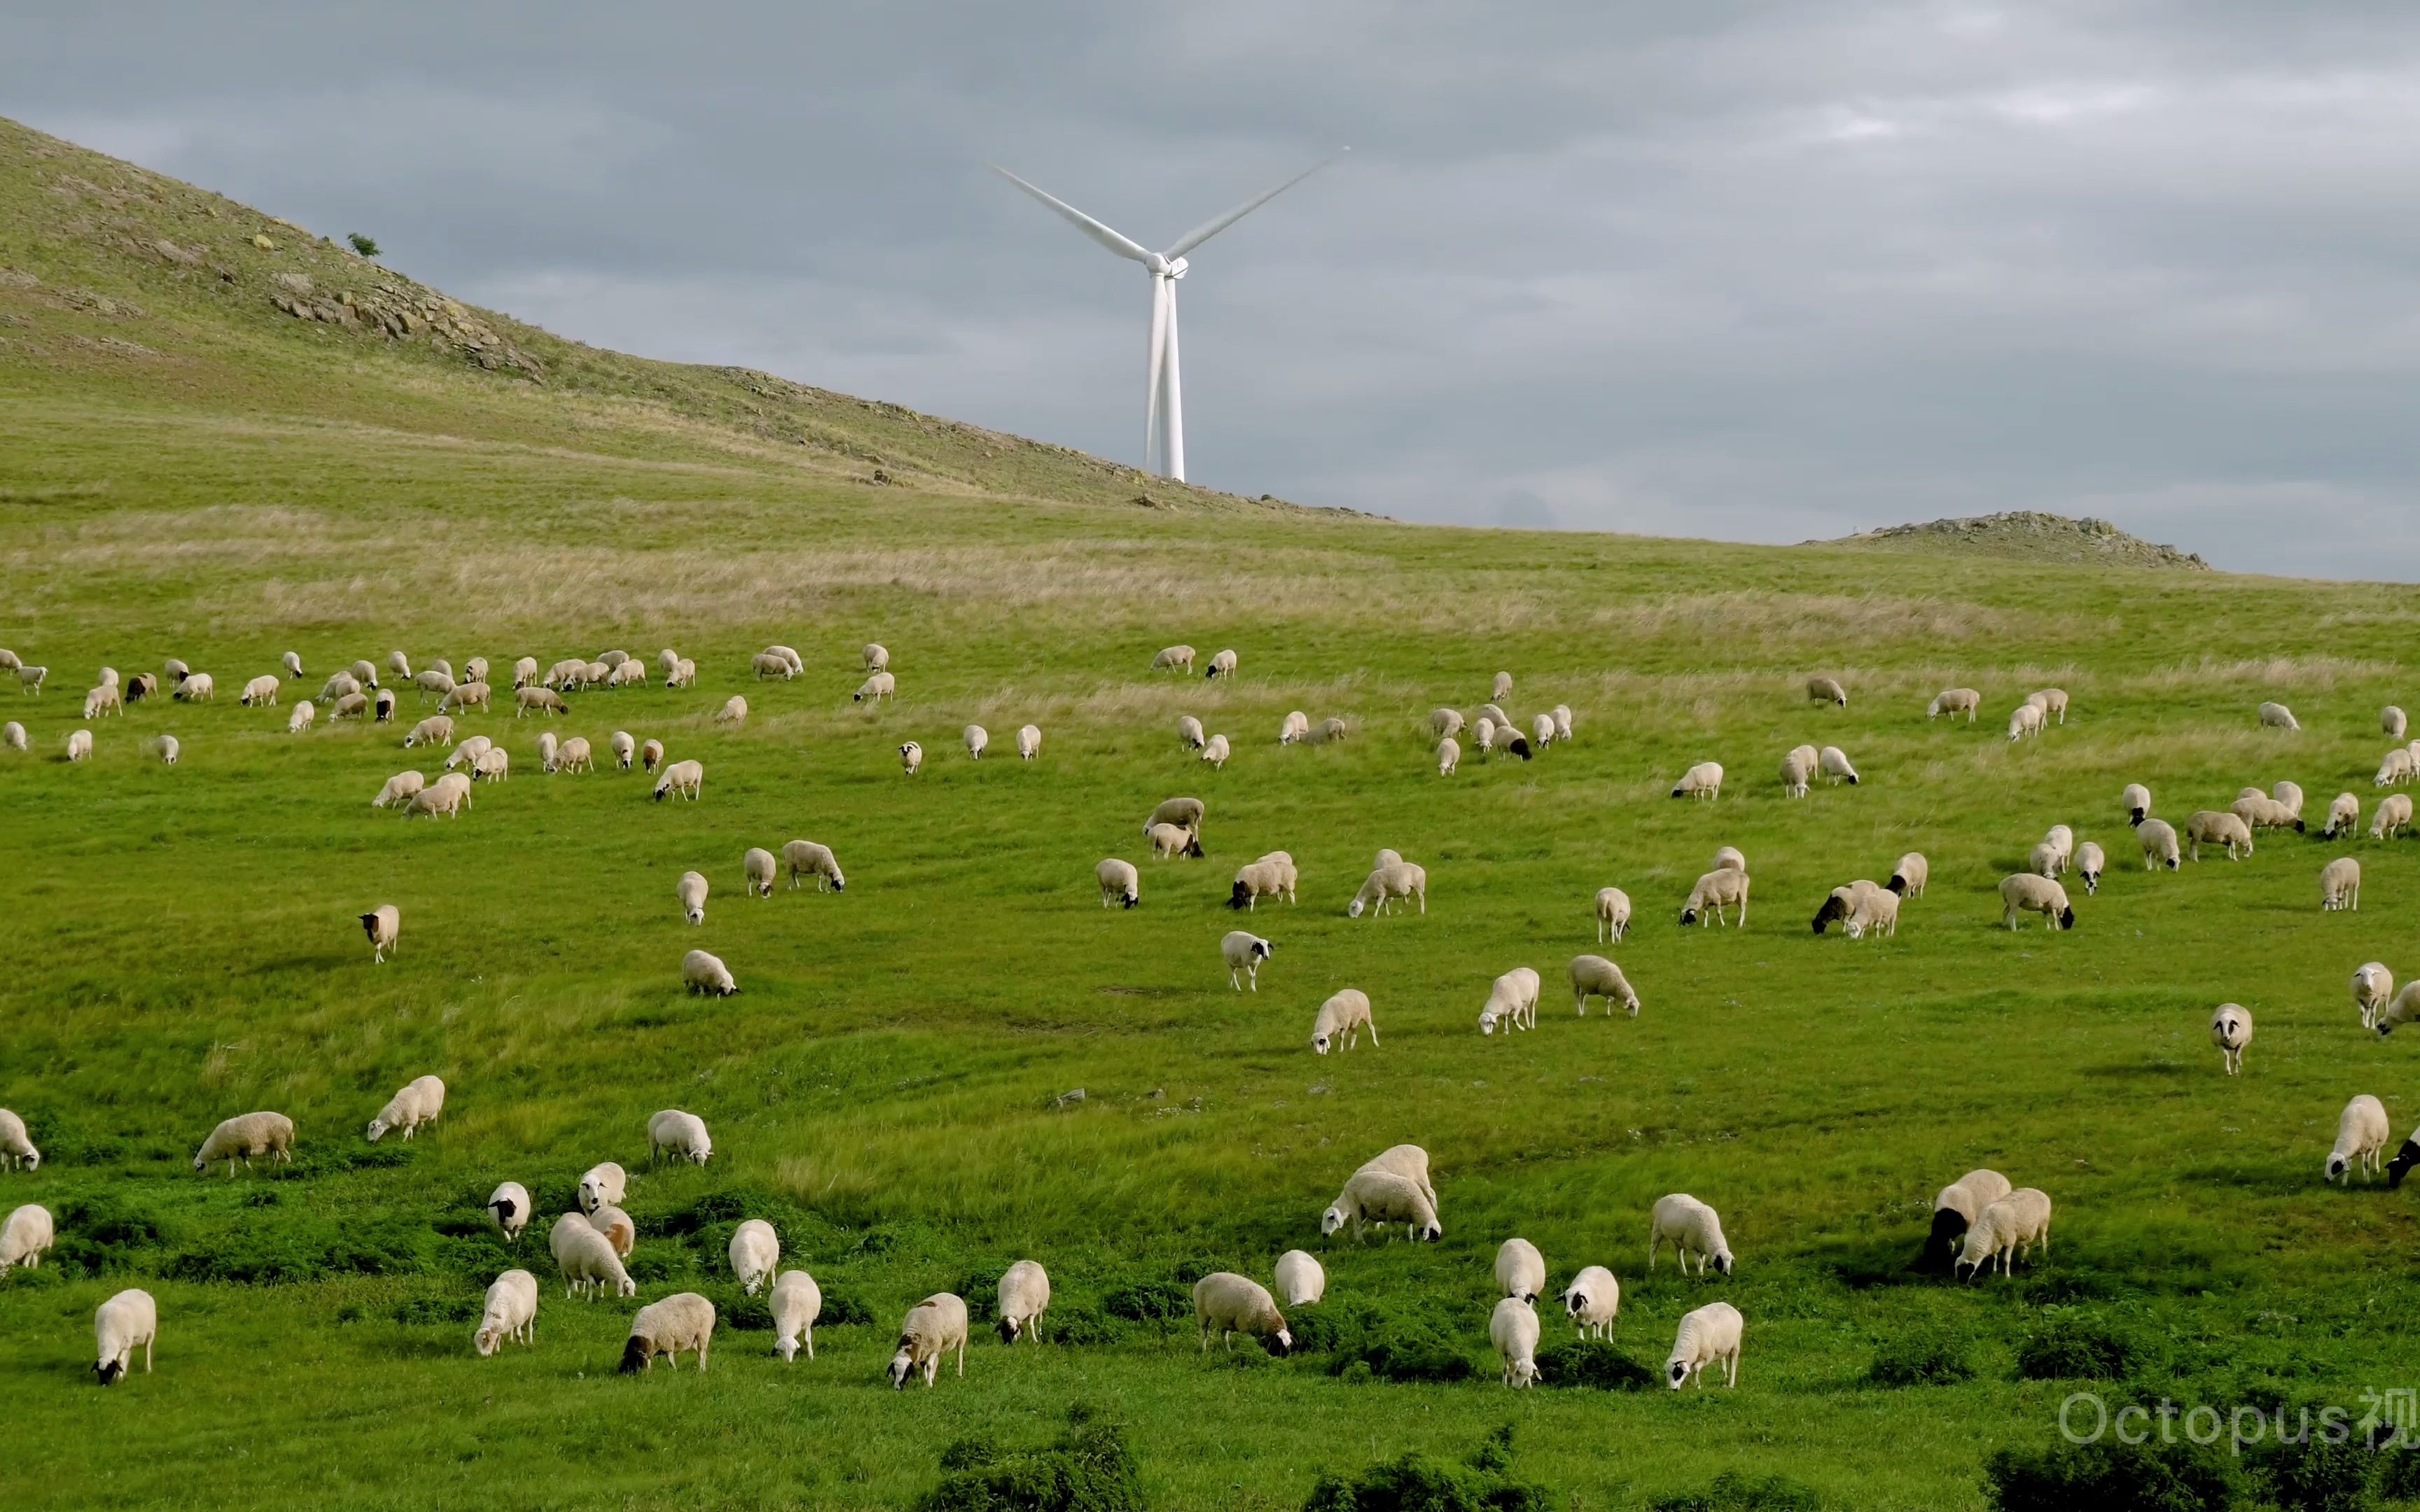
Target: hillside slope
{"type": "Point", "coordinates": [2027, 535]}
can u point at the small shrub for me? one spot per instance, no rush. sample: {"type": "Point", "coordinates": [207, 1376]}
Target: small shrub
{"type": "Point", "coordinates": [366, 246]}
{"type": "Point", "coordinates": [2144, 1477]}
{"type": "Point", "coordinates": [2398, 1475]}
{"type": "Point", "coordinates": [99, 1234]}
{"type": "Point", "coordinates": [1731, 1491]}
{"type": "Point", "coordinates": [1145, 1301]}
{"type": "Point", "coordinates": [1415, 1483]}
{"type": "Point", "coordinates": [1922, 1359]}
{"type": "Point", "coordinates": [1073, 1324]}
{"type": "Point", "coordinates": [425, 1310]}
{"type": "Point", "coordinates": [1314, 1328]}
{"type": "Point", "coordinates": [842, 1309]}
{"type": "Point", "coordinates": [1398, 1347]}
{"type": "Point", "coordinates": [2314, 1475]}
{"type": "Point", "coordinates": [1088, 1469]}
{"type": "Point", "coordinates": [2077, 1347]}
{"type": "Point", "coordinates": [658, 1263]}
{"type": "Point", "coordinates": [1593, 1363]}
{"type": "Point", "coordinates": [979, 1288]}
{"type": "Point", "coordinates": [1195, 1266]}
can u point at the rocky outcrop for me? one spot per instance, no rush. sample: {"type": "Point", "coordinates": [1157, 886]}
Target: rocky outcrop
{"type": "Point", "coordinates": [2028, 533]}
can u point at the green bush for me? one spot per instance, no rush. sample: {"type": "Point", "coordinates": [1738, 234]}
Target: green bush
{"type": "Point", "coordinates": [1088, 1469]}
{"type": "Point", "coordinates": [1145, 1301]}
{"type": "Point", "coordinates": [1922, 1359]}
{"type": "Point", "coordinates": [2314, 1475]}
{"type": "Point", "coordinates": [1731, 1491]}
{"type": "Point", "coordinates": [1415, 1483]}
{"type": "Point", "coordinates": [258, 1254]}
{"type": "Point", "coordinates": [2144, 1477]}
{"type": "Point", "coordinates": [2069, 1345]}
{"type": "Point", "coordinates": [366, 246]}
{"type": "Point", "coordinates": [1594, 1364]}
{"type": "Point", "coordinates": [2398, 1473]}
{"type": "Point", "coordinates": [1396, 1346]}
{"type": "Point", "coordinates": [99, 1234]}
{"type": "Point", "coordinates": [424, 1310]}
{"type": "Point", "coordinates": [1072, 1324]}
{"type": "Point", "coordinates": [842, 1309]}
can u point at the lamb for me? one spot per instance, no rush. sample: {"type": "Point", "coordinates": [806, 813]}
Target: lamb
{"type": "Point", "coordinates": [384, 926]}
{"type": "Point", "coordinates": [1954, 702]}
{"type": "Point", "coordinates": [2009, 1228]}
{"type": "Point", "coordinates": [1562, 718]}
{"type": "Point", "coordinates": [768, 665]}
{"type": "Point", "coordinates": [576, 755]}
{"type": "Point", "coordinates": [757, 869]}
{"type": "Point", "coordinates": [2362, 1134]}
{"type": "Point", "coordinates": [931, 1330]}
{"type": "Point", "coordinates": [494, 764]}
{"type": "Point", "coordinates": [510, 1313]}
{"type": "Point", "coordinates": [2045, 860]}
{"type": "Point", "coordinates": [601, 1186]}
{"type": "Point", "coordinates": [1909, 876]}
{"type": "Point", "coordinates": [1595, 975]}
{"type": "Point", "coordinates": [1374, 1196]}
{"type": "Point", "coordinates": [1024, 1297]}
{"type": "Point", "coordinates": [1171, 841]}
{"type": "Point", "coordinates": [2391, 721]}
{"type": "Point", "coordinates": [1703, 781]}
{"type": "Point", "coordinates": [436, 730]}
{"type": "Point", "coordinates": [623, 747]}
{"type": "Point", "coordinates": [1542, 732]}
{"type": "Point", "coordinates": [244, 1136]}
{"type": "Point", "coordinates": [1178, 658]}
{"type": "Point", "coordinates": [681, 779]}
{"type": "Point", "coordinates": [545, 700]}
{"type": "Point", "coordinates": [79, 745]}
{"type": "Point", "coordinates": [1612, 914]}
{"type": "Point", "coordinates": [683, 1321]}
{"type": "Point", "coordinates": [679, 1135]}
{"type": "Point", "coordinates": [30, 679]}
{"type": "Point", "coordinates": [1709, 1335]}
{"type": "Point", "coordinates": [705, 973]}
{"type": "Point", "coordinates": [29, 1231]}
{"type": "Point", "coordinates": [1120, 883]}
{"type": "Point", "coordinates": [911, 756]}
{"type": "Point", "coordinates": [1836, 765]}
{"type": "Point", "coordinates": [2091, 862]}
{"type": "Point", "coordinates": [755, 1254]}
{"type": "Point", "coordinates": [17, 1151]}
{"type": "Point", "coordinates": [1332, 729]}
{"type": "Point", "coordinates": [2344, 817]}
{"type": "Point", "coordinates": [1029, 742]}
{"type": "Point", "coordinates": [1226, 1304]}
{"type": "Point", "coordinates": [1825, 690]}
{"type": "Point", "coordinates": [2394, 814]}
{"type": "Point", "coordinates": [1216, 751]}
{"type": "Point", "coordinates": [2277, 717]}
{"type": "Point", "coordinates": [1341, 1021]}
{"type": "Point", "coordinates": [2373, 985]}
{"type": "Point", "coordinates": [338, 686]}
{"type": "Point", "coordinates": [1512, 1001]}
{"type": "Point", "coordinates": [1445, 723]}
{"type": "Point", "coordinates": [805, 857]}
{"type": "Point", "coordinates": [166, 748]}
{"type": "Point", "coordinates": [101, 700]}
{"type": "Point", "coordinates": [1844, 901]}
{"type": "Point", "coordinates": [1520, 1271]}
{"type": "Point", "coordinates": [1294, 729]}
{"type": "Point", "coordinates": [1954, 1211]}
{"type": "Point", "coordinates": [2341, 886]}
{"type": "Point", "coordinates": [1513, 1331]}
{"type": "Point", "coordinates": [509, 1209]}
{"type": "Point", "coordinates": [1394, 882]}
{"type": "Point", "coordinates": [119, 1324]}
{"type": "Point", "coordinates": [1300, 1279]}
{"type": "Point", "coordinates": [2230, 1029]}
{"type": "Point", "coordinates": [1271, 876]}
{"type": "Point", "coordinates": [421, 1101]}
{"type": "Point", "coordinates": [1718, 889]}
{"type": "Point", "coordinates": [1592, 1301]}
{"type": "Point", "coordinates": [2395, 769]}
{"type": "Point", "coordinates": [1243, 952]}
{"type": "Point", "coordinates": [2025, 893]}
{"type": "Point", "coordinates": [1223, 664]}
{"type": "Point", "coordinates": [876, 688]}
{"type": "Point", "coordinates": [1185, 811]}
{"type": "Point", "coordinates": [797, 1302]}
{"type": "Point", "coordinates": [2209, 827]}
{"type": "Point", "coordinates": [13, 735]}
{"type": "Point", "coordinates": [2158, 840]}
{"type": "Point", "coordinates": [1689, 1226]}
{"type": "Point", "coordinates": [733, 713]}
{"type": "Point", "coordinates": [1482, 735]}
{"type": "Point", "coordinates": [1188, 733]}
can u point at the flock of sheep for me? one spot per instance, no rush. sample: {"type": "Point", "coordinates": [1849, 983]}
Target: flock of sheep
{"type": "Point", "coordinates": [1977, 1220]}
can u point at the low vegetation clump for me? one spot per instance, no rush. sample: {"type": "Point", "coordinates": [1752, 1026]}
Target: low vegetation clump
{"type": "Point", "coordinates": [1594, 1365]}
{"type": "Point", "coordinates": [1088, 1468]}
{"type": "Point", "coordinates": [2067, 1345]}
{"type": "Point", "coordinates": [1922, 1359]}
{"type": "Point", "coordinates": [1417, 1482]}
{"type": "Point", "coordinates": [2146, 1478]}
{"type": "Point", "coordinates": [1736, 1491]}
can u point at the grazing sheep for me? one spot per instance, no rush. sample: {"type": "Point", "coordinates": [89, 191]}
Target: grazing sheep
{"type": "Point", "coordinates": [1503, 686]}
{"type": "Point", "coordinates": [1514, 1329]}
{"type": "Point", "coordinates": [1954, 702]}
{"type": "Point", "coordinates": [352, 706]}
{"type": "Point", "coordinates": [2290, 795]}
{"type": "Point", "coordinates": [623, 749]}
{"type": "Point", "coordinates": [2372, 986]}
{"type": "Point", "coordinates": [1272, 876]}
{"type": "Point", "coordinates": [1512, 1001]}
{"type": "Point", "coordinates": [1520, 1271]}
{"type": "Point", "coordinates": [616, 1226]}
{"type": "Point", "coordinates": [447, 795]}
{"type": "Point", "coordinates": [29, 1233]}
{"type": "Point", "coordinates": [575, 755]}
{"type": "Point", "coordinates": [1561, 714]}
{"type": "Point", "coordinates": [261, 690]}
{"type": "Point", "coordinates": [976, 738]}
{"type": "Point", "coordinates": [1837, 769]}
{"type": "Point", "coordinates": [2091, 862]}
{"type": "Point", "coordinates": [1244, 951]}
{"type": "Point", "coordinates": [119, 1324]}
{"type": "Point", "coordinates": [1226, 1304]}
{"type": "Point", "coordinates": [299, 718]}
{"type": "Point", "coordinates": [79, 745]}
{"type": "Point", "coordinates": [651, 755]}
{"type": "Point", "coordinates": [757, 869]}
{"type": "Point", "coordinates": [1394, 882]}
{"type": "Point", "coordinates": [1482, 735]}
{"type": "Point", "coordinates": [2344, 817]}
{"type": "Point", "coordinates": [17, 1151]}
{"type": "Point", "coordinates": [473, 671]}
{"type": "Point", "coordinates": [562, 674]}
{"type": "Point", "coordinates": [2025, 893]}
{"type": "Point", "coordinates": [1954, 1211]}
{"type": "Point", "coordinates": [690, 889]}
{"type": "Point", "coordinates": [2230, 1029]}
{"type": "Point", "coordinates": [1171, 841]}
{"type": "Point", "coordinates": [244, 1136]}
{"type": "Point", "coordinates": [365, 673]}
{"type": "Point", "coordinates": [2393, 813]}
{"type": "Point", "coordinates": [683, 675]}
{"type": "Point", "coordinates": [1120, 883]}
{"type": "Point", "coordinates": [1178, 658]}
{"type": "Point", "coordinates": [1294, 729]}
{"type": "Point", "coordinates": [1593, 976]}
{"type": "Point", "coordinates": [384, 927]}
{"type": "Point", "coordinates": [1216, 751]}
{"type": "Point", "coordinates": [469, 752]}
{"type": "Point", "coordinates": [797, 663]}
{"type": "Point", "coordinates": [494, 764]}
{"type": "Point", "coordinates": [1223, 664]}
{"type": "Point", "coordinates": [768, 665]}
{"type": "Point", "coordinates": [433, 682]}
{"type": "Point", "coordinates": [383, 707]}
{"type": "Point", "coordinates": [705, 973]}
{"type": "Point", "coordinates": [680, 1136]}
{"type": "Point", "coordinates": [30, 679]}
{"type": "Point", "coordinates": [542, 698]}
{"type": "Point", "coordinates": [1187, 812]}
{"type": "Point", "coordinates": [1612, 914]}
{"type": "Point", "coordinates": [509, 1209]}
{"type": "Point", "coordinates": [436, 730]}
{"type": "Point", "coordinates": [1541, 731]}
{"type": "Point", "coordinates": [510, 1313]}
{"type": "Point", "coordinates": [1825, 690]}
{"type": "Point", "coordinates": [1410, 1162]}
{"type": "Point", "coordinates": [911, 756]}
{"type": "Point", "coordinates": [2158, 840]}
{"type": "Point", "coordinates": [2051, 701]}
{"type": "Point", "coordinates": [1445, 723]}
{"type": "Point", "coordinates": [1841, 903]}
{"type": "Point", "coordinates": [2395, 769]}
{"type": "Point", "coordinates": [2009, 1229]}
{"type": "Point", "coordinates": [420, 1100]}
{"type": "Point", "coordinates": [681, 779]}
{"type": "Point", "coordinates": [733, 713]}
{"type": "Point", "coordinates": [931, 1330]}
{"type": "Point", "coordinates": [2136, 801]}
{"type": "Point", "coordinates": [13, 735]}
{"type": "Point", "coordinates": [338, 686]}
{"type": "Point", "coordinates": [1875, 912]}
{"type": "Point", "coordinates": [2341, 886]}
{"type": "Point", "coordinates": [9, 660]}
{"type": "Point", "coordinates": [166, 748]}
{"type": "Point", "coordinates": [2208, 826]}
{"type": "Point", "coordinates": [1703, 781]}
{"type": "Point", "coordinates": [2258, 810]}
{"type": "Point", "coordinates": [1730, 858]}
{"type": "Point", "coordinates": [1378, 1198]}
{"type": "Point", "coordinates": [2391, 721]}
{"type": "Point", "coordinates": [1341, 1021]}
{"type": "Point", "coordinates": [1592, 1301]}
{"type": "Point", "coordinates": [805, 857]}
{"type": "Point", "coordinates": [1301, 1280]}
{"type": "Point", "coordinates": [2404, 1010]}
{"type": "Point", "coordinates": [1690, 1226]}
{"type": "Point", "coordinates": [1024, 1297]}
{"type": "Point", "coordinates": [602, 1185]}
{"type": "Point", "coordinates": [1718, 891]}
{"type": "Point", "coordinates": [755, 1254]}
{"type": "Point", "coordinates": [103, 701]}
{"type": "Point", "coordinates": [876, 688]}
{"type": "Point", "coordinates": [2277, 717]}
{"type": "Point", "coordinates": [1332, 729]}
{"type": "Point", "coordinates": [797, 1302]}
{"type": "Point", "coordinates": [1709, 1335]}
{"type": "Point", "coordinates": [1909, 876]}
{"type": "Point", "coordinates": [683, 1321]}
{"type": "Point", "coordinates": [2362, 1133]}
{"type": "Point", "coordinates": [2026, 720]}
{"type": "Point", "coordinates": [1029, 742]}
{"type": "Point", "coordinates": [1188, 733]}
{"type": "Point", "coordinates": [1795, 775]}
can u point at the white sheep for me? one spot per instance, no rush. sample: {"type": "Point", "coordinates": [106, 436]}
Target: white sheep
{"type": "Point", "coordinates": [1341, 1021]}
{"type": "Point", "coordinates": [2026, 720]}
{"type": "Point", "coordinates": [2277, 717]}
{"type": "Point", "coordinates": [1171, 841]}
{"type": "Point", "coordinates": [448, 795]}
{"type": "Point", "coordinates": [1835, 766]}
{"type": "Point", "coordinates": [733, 713]}
{"type": "Point", "coordinates": [2230, 1029]}
{"type": "Point", "coordinates": [679, 1137]}
{"type": "Point", "coordinates": [2391, 721]}
{"type": "Point", "coordinates": [877, 656]}
{"type": "Point", "coordinates": [2394, 814]}
{"type": "Point", "coordinates": [1561, 714]}
{"type": "Point", "coordinates": [1542, 732]}
{"type": "Point", "coordinates": [1449, 756]}
{"type": "Point", "coordinates": [1223, 664]}
{"type": "Point", "coordinates": [2405, 1008]}
{"type": "Point", "coordinates": [1826, 690]}
{"type": "Point", "coordinates": [102, 700]}
{"type": "Point", "coordinates": [420, 1100]}
{"type": "Point", "coordinates": [17, 1151]}
{"type": "Point", "coordinates": [292, 662]}
{"type": "Point", "coordinates": [30, 679]}
{"type": "Point", "coordinates": [976, 738]}
{"type": "Point", "coordinates": [1445, 723]}
{"type": "Point", "coordinates": [1244, 951]}
{"type": "Point", "coordinates": [1024, 1297]}
{"type": "Point", "coordinates": [681, 779]}
{"type": "Point", "coordinates": [806, 857]}
{"type": "Point", "coordinates": [1954, 702]}
{"type": "Point", "coordinates": [617, 1228]}
{"type": "Point", "coordinates": [2344, 817]}
{"type": "Point", "coordinates": [797, 663]}
{"type": "Point", "coordinates": [1120, 883]}
{"type": "Point", "coordinates": [2211, 826]}
{"type": "Point", "coordinates": [1721, 888]}
{"type": "Point", "coordinates": [1216, 750]}
{"type": "Point", "coordinates": [79, 745]}
{"type": "Point", "coordinates": [757, 869]}
{"type": "Point", "coordinates": [436, 730]}
{"type": "Point", "coordinates": [167, 748]}
{"type": "Point", "coordinates": [119, 1324]}
{"type": "Point", "coordinates": [547, 748]}
{"type": "Point", "coordinates": [337, 686]}
{"type": "Point", "coordinates": [797, 1302]}
{"type": "Point", "coordinates": [764, 664]}
{"type": "Point", "coordinates": [526, 672]}
{"type": "Point", "coordinates": [365, 673]}
{"type": "Point", "coordinates": [300, 718]}
{"type": "Point", "coordinates": [384, 927]}
{"type": "Point", "coordinates": [1612, 914]}
{"type": "Point", "coordinates": [1177, 659]}
{"type": "Point", "coordinates": [602, 1185]}
{"type": "Point", "coordinates": [2091, 862]}
{"type": "Point", "coordinates": [1842, 902]}
{"type": "Point", "coordinates": [1226, 1304]}
{"type": "Point", "coordinates": [2159, 842]}
{"type": "Point", "coordinates": [2025, 893]}
{"type": "Point", "coordinates": [261, 690]}
{"type": "Point", "coordinates": [1378, 1198]}
{"type": "Point", "coordinates": [510, 1313]}
{"type": "Point", "coordinates": [1394, 882]}
{"type": "Point", "coordinates": [1294, 729]}
{"type": "Point", "coordinates": [755, 1254]}
{"type": "Point", "coordinates": [1301, 1280]}
{"type": "Point", "coordinates": [1592, 1301]}
{"type": "Point", "coordinates": [1273, 875]}
{"type": "Point", "coordinates": [1910, 874]}
{"type": "Point", "coordinates": [703, 973]}
{"type": "Point", "coordinates": [508, 1208]}
{"type": "Point", "coordinates": [246, 1135]}
{"type": "Point", "coordinates": [1482, 735]}
{"type": "Point", "coordinates": [575, 754]}
{"type": "Point", "coordinates": [1410, 1162]}
{"type": "Point", "coordinates": [1520, 1271]}
{"type": "Point", "coordinates": [931, 1330]}
{"type": "Point", "coordinates": [2395, 769]}
{"type": "Point", "coordinates": [430, 683]}
{"type": "Point", "coordinates": [876, 688]}
{"type": "Point", "coordinates": [1029, 742]}
{"type": "Point", "coordinates": [1709, 1335]}
{"type": "Point", "coordinates": [2006, 1230]}
{"type": "Point", "coordinates": [683, 675]}
{"type": "Point", "coordinates": [1514, 1329]}
{"type": "Point", "coordinates": [1593, 976]}
{"type": "Point", "coordinates": [352, 706]}
{"type": "Point", "coordinates": [1795, 775]}
{"type": "Point", "coordinates": [544, 699]}
{"type": "Point", "coordinates": [1512, 1001]}
{"type": "Point", "coordinates": [1188, 733]}
{"type": "Point", "coordinates": [692, 890]}
{"type": "Point", "coordinates": [1955, 1210]}
{"type": "Point", "coordinates": [1690, 1226]}
{"type": "Point", "coordinates": [13, 735]}
{"type": "Point", "coordinates": [2362, 1135]}
{"type": "Point", "coordinates": [1703, 781]}
{"type": "Point", "coordinates": [2373, 985]}
{"type": "Point", "coordinates": [2341, 885]}
{"type": "Point", "coordinates": [625, 749]}
{"type": "Point", "coordinates": [586, 1260]}
{"type": "Point", "coordinates": [683, 1321]}
{"type": "Point", "coordinates": [911, 756]}
{"type": "Point", "coordinates": [23, 1238]}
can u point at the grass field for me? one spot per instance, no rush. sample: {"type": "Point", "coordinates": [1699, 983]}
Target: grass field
{"type": "Point", "coordinates": [182, 941]}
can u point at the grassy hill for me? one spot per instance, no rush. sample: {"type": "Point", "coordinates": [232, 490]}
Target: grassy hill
{"type": "Point", "coordinates": [193, 472]}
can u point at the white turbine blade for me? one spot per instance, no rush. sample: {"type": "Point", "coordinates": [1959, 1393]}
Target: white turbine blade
{"type": "Point", "coordinates": [1082, 221]}
{"type": "Point", "coordinates": [1204, 232]}
{"type": "Point", "coordinates": [1159, 302]}
{"type": "Point", "coordinates": [1175, 392]}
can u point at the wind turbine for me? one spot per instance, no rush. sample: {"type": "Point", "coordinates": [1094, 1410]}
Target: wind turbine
{"type": "Point", "coordinates": [1162, 386]}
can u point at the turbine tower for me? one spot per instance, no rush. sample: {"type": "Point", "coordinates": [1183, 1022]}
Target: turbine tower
{"type": "Point", "coordinates": [1163, 444]}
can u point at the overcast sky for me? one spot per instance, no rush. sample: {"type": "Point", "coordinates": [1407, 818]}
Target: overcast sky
{"type": "Point", "coordinates": [1750, 268]}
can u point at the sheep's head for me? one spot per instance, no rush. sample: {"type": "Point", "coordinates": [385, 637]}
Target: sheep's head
{"type": "Point", "coordinates": [1488, 1019]}
{"type": "Point", "coordinates": [488, 1337]}
{"type": "Point", "coordinates": [1284, 1345]}
{"type": "Point", "coordinates": [1575, 1302]}
{"type": "Point", "coordinates": [1834, 907]}
{"type": "Point", "coordinates": [2401, 1165]}
{"type": "Point", "coordinates": [903, 1365]}
{"type": "Point", "coordinates": [1008, 1330]}
{"type": "Point", "coordinates": [1722, 1262]}
{"type": "Point", "coordinates": [1688, 915]}
{"type": "Point", "coordinates": [1192, 848]}
{"type": "Point", "coordinates": [109, 1370]}
{"type": "Point", "coordinates": [1353, 909]}
{"type": "Point", "coordinates": [1241, 896]}
{"type": "Point", "coordinates": [377, 1130]}
{"type": "Point", "coordinates": [1525, 1373]}
{"type": "Point", "coordinates": [625, 1287]}
{"type": "Point", "coordinates": [1333, 1219]}
{"type": "Point", "coordinates": [1676, 1373]}
{"type": "Point", "coordinates": [1132, 898]}
{"type": "Point", "coordinates": [2337, 1166]}
{"type": "Point", "coordinates": [697, 915]}
{"type": "Point", "coordinates": [637, 1355]}
{"type": "Point", "coordinates": [1319, 1044]}
{"type": "Point", "coordinates": [2067, 918]}
{"type": "Point", "coordinates": [1428, 1233]}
